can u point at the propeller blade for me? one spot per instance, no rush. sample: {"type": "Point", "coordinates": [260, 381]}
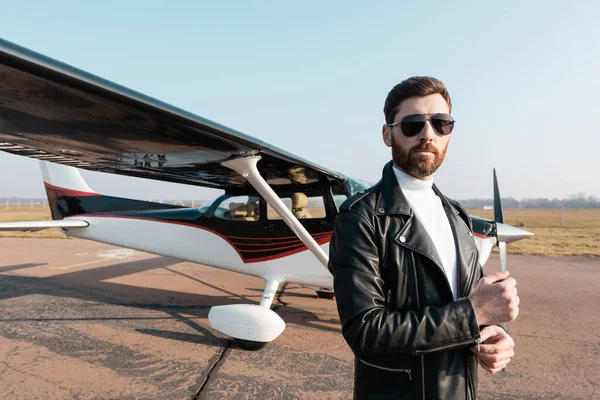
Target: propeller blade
{"type": "Point", "coordinates": [503, 256]}
{"type": "Point", "coordinates": [504, 264]}
{"type": "Point", "coordinates": [498, 215]}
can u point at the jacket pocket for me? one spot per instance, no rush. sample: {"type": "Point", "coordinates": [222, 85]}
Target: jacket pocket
{"type": "Point", "coordinates": [375, 381]}
{"type": "Point", "coordinates": [407, 371]}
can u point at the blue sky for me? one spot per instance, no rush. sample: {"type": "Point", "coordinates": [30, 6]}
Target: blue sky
{"type": "Point", "coordinates": [311, 77]}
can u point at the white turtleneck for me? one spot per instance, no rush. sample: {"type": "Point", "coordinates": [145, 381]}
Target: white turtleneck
{"type": "Point", "coordinates": [428, 208]}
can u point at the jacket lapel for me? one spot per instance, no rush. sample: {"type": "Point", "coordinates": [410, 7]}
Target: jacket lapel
{"type": "Point", "coordinates": [413, 234]}
{"type": "Point", "coordinates": [463, 241]}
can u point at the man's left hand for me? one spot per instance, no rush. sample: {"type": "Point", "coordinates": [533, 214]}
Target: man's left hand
{"type": "Point", "coordinates": [497, 350]}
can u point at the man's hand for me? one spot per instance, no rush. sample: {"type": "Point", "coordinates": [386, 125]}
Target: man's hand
{"type": "Point", "coordinates": [494, 299]}
{"type": "Point", "coordinates": [497, 350]}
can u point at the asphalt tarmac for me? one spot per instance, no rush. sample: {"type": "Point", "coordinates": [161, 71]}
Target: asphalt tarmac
{"type": "Point", "coordinates": [85, 320]}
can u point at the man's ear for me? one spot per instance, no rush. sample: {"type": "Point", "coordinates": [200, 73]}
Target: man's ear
{"type": "Point", "coordinates": [386, 133]}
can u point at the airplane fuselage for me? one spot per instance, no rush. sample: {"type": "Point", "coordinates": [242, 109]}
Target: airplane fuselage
{"type": "Point", "coordinates": [214, 235]}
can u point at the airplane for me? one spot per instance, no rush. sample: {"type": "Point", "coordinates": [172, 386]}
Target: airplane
{"type": "Point", "coordinates": [274, 219]}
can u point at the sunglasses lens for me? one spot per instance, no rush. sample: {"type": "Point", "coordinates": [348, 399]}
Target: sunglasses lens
{"type": "Point", "coordinates": [442, 123]}
{"type": "Point", "coordinates": [411, 125]}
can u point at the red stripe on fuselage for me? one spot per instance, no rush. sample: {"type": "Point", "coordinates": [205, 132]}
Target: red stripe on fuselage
{"type": "Point", "coordinates": [291, 252]}
{"type": "Point", "coordinates": [322, 238]}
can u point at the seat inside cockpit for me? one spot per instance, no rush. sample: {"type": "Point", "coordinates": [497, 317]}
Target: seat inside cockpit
{"type": "Point", "coordinates": [244, 212]}
{"type": "Point", "coordinates": [252, 211]}
{"type": "Point", "coordinates": [299, 205]}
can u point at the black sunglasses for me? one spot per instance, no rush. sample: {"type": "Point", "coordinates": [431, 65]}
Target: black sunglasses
{"type": "Point", "coordinates": [412, 125]}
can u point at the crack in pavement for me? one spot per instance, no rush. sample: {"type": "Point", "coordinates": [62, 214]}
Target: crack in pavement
{"type": "Point", "coordinates": [212, 368]}
{"type": "Point", "coordinates": [219, 361]}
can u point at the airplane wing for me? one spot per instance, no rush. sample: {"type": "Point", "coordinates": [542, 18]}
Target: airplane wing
{"type": "Point", "coordinates": [54, 112]}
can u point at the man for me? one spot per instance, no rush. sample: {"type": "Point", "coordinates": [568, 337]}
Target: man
{"type": "Point", "coordinates": [414, 304]}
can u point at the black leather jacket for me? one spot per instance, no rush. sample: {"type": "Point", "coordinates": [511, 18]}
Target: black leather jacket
{"type": "Point", "coordinates": [410, 337]}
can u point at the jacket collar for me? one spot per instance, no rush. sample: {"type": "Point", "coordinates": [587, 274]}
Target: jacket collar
{"type": "Point", "coordinates": [391, 200]}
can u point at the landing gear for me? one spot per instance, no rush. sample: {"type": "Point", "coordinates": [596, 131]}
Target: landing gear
{"type": "Point", "coordinates": [252, 325]}
{"type": "Point", "coordinates": [250, 345]}
{"type": "Point", "coordinates": [255, 325]}
{"type": "Point", "coordinates": [321, 294]}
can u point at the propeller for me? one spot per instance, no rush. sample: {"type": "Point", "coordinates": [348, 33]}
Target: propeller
{"type": "Point", "coordinates": [499, 219]}
{"type": "Point", "coordinates": [504, 233]}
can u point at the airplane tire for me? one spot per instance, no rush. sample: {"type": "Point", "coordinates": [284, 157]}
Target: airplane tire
{"type": "Point", "coordinates": [325, 295]}
{"type": "Point", "coordinates": [250, 345]}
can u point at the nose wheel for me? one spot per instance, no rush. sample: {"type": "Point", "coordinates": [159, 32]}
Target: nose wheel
{"type": "Point", "coordinates": [250, 345]}
{"type": "Point", "coordinates": [325, 294]}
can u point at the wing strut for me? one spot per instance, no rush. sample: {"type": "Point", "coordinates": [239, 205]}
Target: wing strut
{"type": "Point", "coordinates": [32, 226]}
{"type": "Point", "coordinates": [246, 166]}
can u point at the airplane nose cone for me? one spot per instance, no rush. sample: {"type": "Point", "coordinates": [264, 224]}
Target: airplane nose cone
{"type": "Point", "coordinates": [508, 234]}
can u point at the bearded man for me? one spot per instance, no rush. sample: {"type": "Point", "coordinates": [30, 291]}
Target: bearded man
{"type": "Point", "coordinates": [415, 306]}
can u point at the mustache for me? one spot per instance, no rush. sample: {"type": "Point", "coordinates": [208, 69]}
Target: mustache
{"type": "Point", "coordinates": [425, 147]}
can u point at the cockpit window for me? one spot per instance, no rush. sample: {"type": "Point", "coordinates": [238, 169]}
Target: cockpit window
{"type": "Point", "coordinates": [302, 206]}
{"type": "Point", "coordinates": [238, 208]}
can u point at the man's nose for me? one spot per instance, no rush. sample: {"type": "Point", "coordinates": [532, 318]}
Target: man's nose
{"type": "Point", "coordinates": [427, 134]}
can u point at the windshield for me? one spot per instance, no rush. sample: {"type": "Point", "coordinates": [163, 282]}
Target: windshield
{"type": "Point", "coordinates": [354, 186]}
{"type": "Point", "coordinates": [207, 205]}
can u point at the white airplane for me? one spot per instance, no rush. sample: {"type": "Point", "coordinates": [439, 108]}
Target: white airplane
{"type": "Point", "coordinates": [274, 220]}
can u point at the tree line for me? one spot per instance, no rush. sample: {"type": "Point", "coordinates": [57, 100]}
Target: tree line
{"type": "Point", "coordinates": [579, 200]}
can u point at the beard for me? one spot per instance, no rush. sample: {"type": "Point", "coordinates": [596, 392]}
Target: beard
{"type": "Point", "coordinates": [415, 164]}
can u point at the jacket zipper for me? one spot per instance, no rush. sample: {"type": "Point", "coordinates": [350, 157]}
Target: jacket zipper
{"type": "Point", "coordinates": [405, 370]}
{"type": "Point", "coordinates": [450, 346]}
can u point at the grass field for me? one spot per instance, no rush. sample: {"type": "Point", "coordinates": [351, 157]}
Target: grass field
{"type": "Point", "coordinates": [578, 234]}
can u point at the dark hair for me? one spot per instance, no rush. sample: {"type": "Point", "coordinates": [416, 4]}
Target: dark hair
{"type": "Point", "coordinates": [416, 86]}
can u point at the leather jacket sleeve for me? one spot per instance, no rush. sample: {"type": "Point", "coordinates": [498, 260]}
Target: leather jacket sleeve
{"type": "Point", "coordinates": [368, 327]}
